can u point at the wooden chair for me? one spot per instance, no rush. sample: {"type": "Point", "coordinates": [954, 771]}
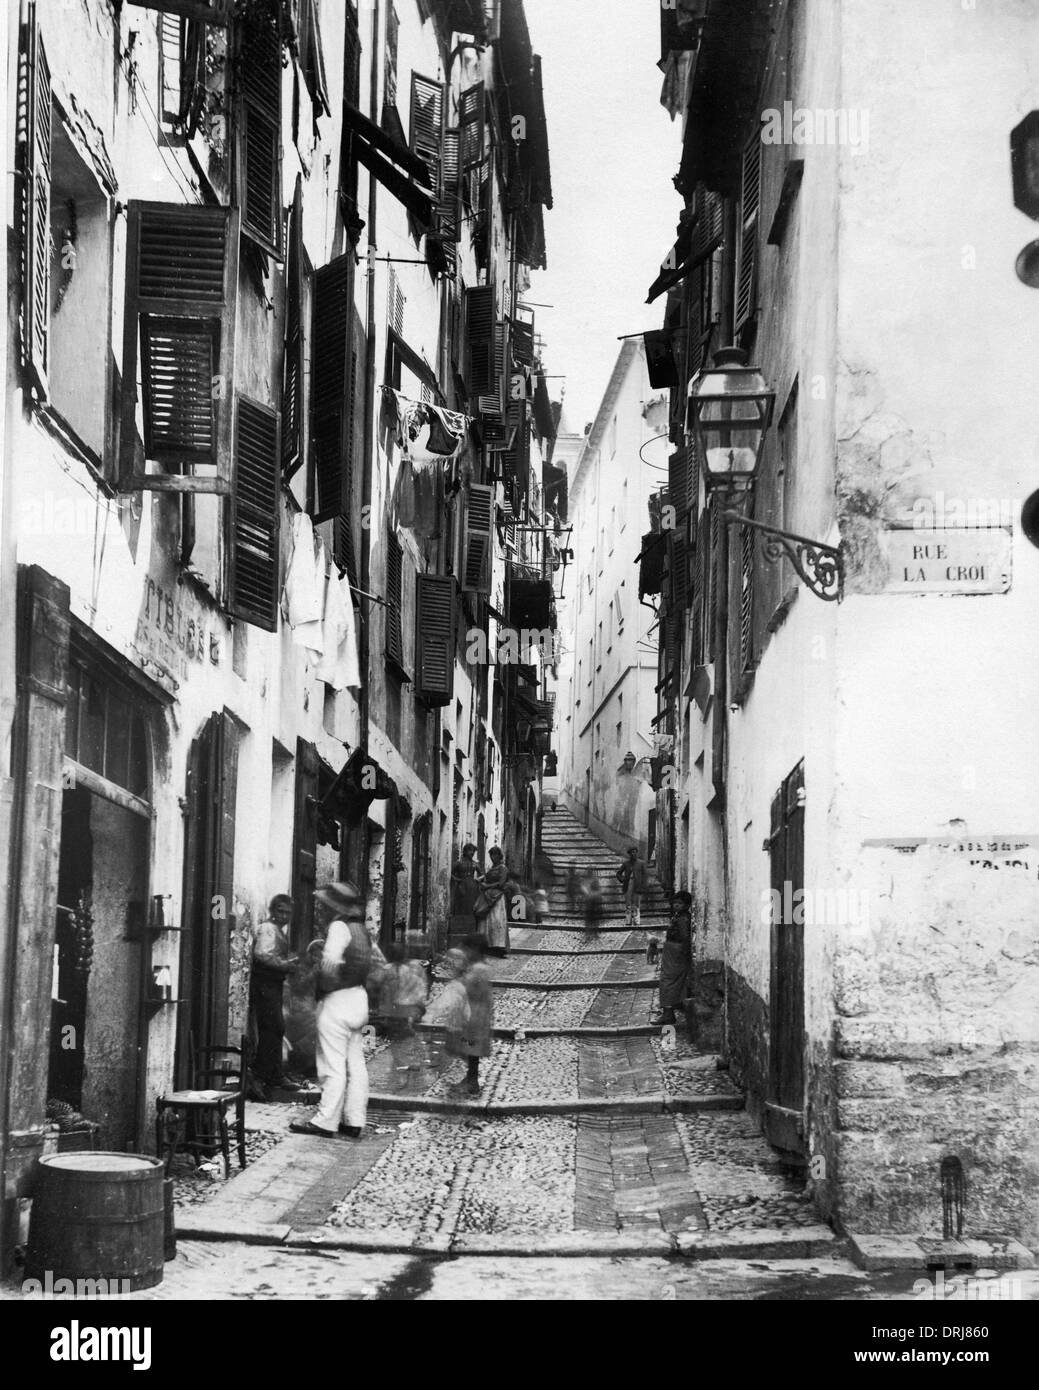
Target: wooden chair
{"type": "Point", "coordinates": [197, 1120]}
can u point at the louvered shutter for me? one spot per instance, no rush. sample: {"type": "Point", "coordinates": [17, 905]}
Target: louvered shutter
{"type": "Point", "coordinates": [394, 600]}
{"type": "Point", "coordinates": [344, 547]}
{"type": "Point", "coordinates": [292, 369]}
{"type": "Point", "coordinates": [427, 123]}
{"type": "Point", "coordinates": [181, 286]}
{"type": "Point", "coordinates": [746, 644]}
{"type": "Point", "coordinates": [209, 11]}
{"type": "Point", "coordinates": [259, 137]}
{"type": "Point", "coordinates": [331, 387]}
{"type": "Point", "coordinates": [678, 569]}
{"type": "Point", "coordinates": [471, 120]}
{"type": "Point", "coordinates": [491, 404]}
{"type": "Point", "coordinates": [699, 580]}
{"type": "Point", "coordinates": [478, 540]}
{"type": "Point", "coordinates": [523, 342]}
{"type": "Point", "coordinates": [747, 256]}
{"type": "Point", "coordinates": [481, 339]}
{"type": "Point", "coordinates": [36, 195]}
{"type": "Point", "coordinates": [254, 525]}
{"type": "Point", "coordinates": [435, 638]}
{"type": "Point", "coordinates": [517, 456]}
{"type": "Point", "coordinates": [448, 210]}
{"type": "Point", "coordinates": [304, 842]}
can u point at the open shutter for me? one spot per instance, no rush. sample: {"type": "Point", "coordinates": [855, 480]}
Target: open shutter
{"type": "Point", "coordinates": [259, 137]}
{"type": "Point", "coordinates": [517, 456]}
{"type": "Point", "coordinates": [481, 339]}
{"type": "Point", "coordinates": [254, 533]}
{"type": "Point", "coordinates": [523, 342]}
{"type": "Point", "coordinates": [478, 539]}
{"type": "Point", "coordinates": [344, 549]}
{"type": "Point", "coordinates": [36, 210]}
{"type": "Point", "coordinates": [747, 256]}
{"type": "Point", "coordinates": [435, 638]}
{"type": "Point", "coordinates": [332, 386]}
{"type": "Point", "coordinates": [491, 403]}
{"type": "Point", "coordinates": [210, 11]}
{"type": "Point", "coordinates": [304, 842]}
{"type": "Point", "coordinates": [292, 369]}
{"type": "Point", "coordinates": [471, 120]}
{"type": "Point", "coordinates": [448, 205]}
{"type": "Point", "coordinates": [427, 122]}
{"type": "Point", "coordinates": [746, 633]}
{"type": "Point", "coordinates": [394, 600]}
{"type": "Point", "coordinates": [181, 285]}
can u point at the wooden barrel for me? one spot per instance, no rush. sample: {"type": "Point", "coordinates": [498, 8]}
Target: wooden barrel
{"type": "Point", "coordinates": [98, 1216]}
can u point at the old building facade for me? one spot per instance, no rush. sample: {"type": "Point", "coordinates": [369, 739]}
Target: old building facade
{"type": "Point", "coordinates": [853, 813]}
{"type": "Point", "coordinates": [272, 497]}
{"type": "Point", "coordinates": [610, 700]}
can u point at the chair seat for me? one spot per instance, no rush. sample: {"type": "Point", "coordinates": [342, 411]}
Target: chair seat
{"type": "Point", "coordinates": [199, 1098]}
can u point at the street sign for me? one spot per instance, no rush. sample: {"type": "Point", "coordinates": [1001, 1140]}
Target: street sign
{"type": "Point", "coordinates": [957, 560]}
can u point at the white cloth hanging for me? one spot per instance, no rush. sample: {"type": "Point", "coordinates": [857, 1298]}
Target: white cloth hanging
{"type": "Point", "coordinates": [304, 597]}
{"type": "Point", "coordinates": [339, 666]}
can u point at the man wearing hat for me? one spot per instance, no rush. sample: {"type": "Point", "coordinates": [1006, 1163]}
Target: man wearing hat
{"type": "Point", "coordinates": [343, 952]}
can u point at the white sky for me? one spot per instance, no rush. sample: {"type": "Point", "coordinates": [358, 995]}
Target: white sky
{"type": "Point", "coordinates": [614, 152]}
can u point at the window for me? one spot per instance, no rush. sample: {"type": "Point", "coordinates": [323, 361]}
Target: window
{"type": "Point", "coordinates": [745, 307]}
{"type": "Point", "coordinates": [435, 639]}
{"type": "Point", "coordinates": [105, 731]}
{"type": "Point", "coordinates": [255, 515]}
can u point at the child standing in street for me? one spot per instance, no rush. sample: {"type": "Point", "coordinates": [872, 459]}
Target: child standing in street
{"type": "Point", "coordinates": [479, 987]}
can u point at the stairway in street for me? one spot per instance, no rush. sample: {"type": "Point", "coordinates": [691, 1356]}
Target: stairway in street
{"type": "Point", "coordinates": [594, 1131]}
{"type": "Point", "coordinates": [567, 842]}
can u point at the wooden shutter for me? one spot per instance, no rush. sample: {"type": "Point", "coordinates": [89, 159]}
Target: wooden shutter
{"type": "Point", "coordinates": [523, 342]}
{"type": "Point", "coordinates": [678, 568]}
{"type": "Point", "coordinates": [435, 637]}
{"type": "Point", "coordinates": [746, 618]}
{"type": "Point", "coordinates": [491, 403]}
{"type": "Point", "coordinates": [747, 256]}
{"type": "Point", "coordinates": [481, 339]}
{"type": "Point", "coordinates": [478, 539]}
{"type": "Point", "coordinates": [471, 125]}
{"type": "Point", "coordinates": [209, 11]}
{"type": "Point", "coordinates": [181, 288]}
{"type": "Point", "coordinates": [259, 137]}
{"type": "Point", "coordinates": [304, 842]}
{"type": "Point", "coordinates": [448, 204]}
{"type": "Point", "coordinates": [36, 199]}
{"type": "Point", "coordinates": [517, 456]}
{"type": "Point", "coordinates": [292, 368]}
{"type": "Point", "coordinates": [394, 600]}
{"type": "Point", "coordinates": [332, 387]}
{"type": "Point", "coordinates": [255, 519]}
{"type": "Point", "coordinates": [427, 122]}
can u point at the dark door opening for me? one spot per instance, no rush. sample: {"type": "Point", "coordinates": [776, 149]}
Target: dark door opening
{"type": "Point", "coordinates": [784, 1112]}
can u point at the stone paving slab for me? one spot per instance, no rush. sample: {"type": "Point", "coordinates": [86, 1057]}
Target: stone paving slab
{"type": "Point", "coordinates": [875, 1252]}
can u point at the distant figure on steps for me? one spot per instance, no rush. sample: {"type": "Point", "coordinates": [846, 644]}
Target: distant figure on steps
{"type": "Point", "coordinates": [632, 875]}
{"type": "Point", "coordinates": [593, 905]}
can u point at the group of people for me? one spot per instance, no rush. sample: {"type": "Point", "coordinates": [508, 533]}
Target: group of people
{"type": "Point", "coordinates": [353, 981]}
{"type": "Point", "coordinates": [585, 893]}
{"type": "Point", "coordinates": [493, 899]}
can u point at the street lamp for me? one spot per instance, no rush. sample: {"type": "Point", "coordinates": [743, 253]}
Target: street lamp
{"type": "Point", "coordinates": [730, 410]}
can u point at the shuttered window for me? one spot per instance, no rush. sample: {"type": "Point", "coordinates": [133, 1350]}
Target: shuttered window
{"type": "Point", "coordinates": [449, 208]}
{"type": "Point", "coordinates": [747, 256]}
{"type": "Point", "coordinates": [344, 548]}
{"type": "Point", "coordinates": [431, 142]}
{"type": "Point", "coordinates": [516, 459]}
{"type": "Point", "coordinates": [332, 387]}
{"type": "Point", "coordinates": [478, 539]}
{"type": "Point", "coordinates": [746, 635]}
{"type": "Point", "coordinates": [394, 601]}
{"type": "Point", "coordinates": [292, 369]}
{"type": "Point", "coordinates": [36, 197]}
{"type": "Point", "coordinates": [481, 339]}
{"type": "Point", "coordinates": [492, 403]}
{"type": "Point", "coordinates": [181, 283]}
{"type": "Point", "coordinates": [471, 120]}
{"type": "Point", "coordinates": [254, 524]}
{"type": "Point", "coordinates": [523, 342]}
{"type": "Point", "coordinates": [435, 638]}
{"type": "Point", "coordinates": [259, 136]}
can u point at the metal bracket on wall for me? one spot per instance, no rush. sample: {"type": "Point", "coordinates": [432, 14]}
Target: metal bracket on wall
{"type": "Point", "coordinates": [820, 567]}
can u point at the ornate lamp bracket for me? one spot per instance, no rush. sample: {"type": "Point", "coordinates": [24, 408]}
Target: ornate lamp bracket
{"type": "Point", "coordinates": [819, 567]}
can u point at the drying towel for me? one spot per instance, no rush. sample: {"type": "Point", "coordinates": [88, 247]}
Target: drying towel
{"type": "Point", "coordinates": [305, 586]}
{"type": "Point", "coordinates": [339, 666]}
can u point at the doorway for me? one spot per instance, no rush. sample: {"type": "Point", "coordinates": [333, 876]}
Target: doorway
{"type": "Point", "coordinates": [784, 1110]}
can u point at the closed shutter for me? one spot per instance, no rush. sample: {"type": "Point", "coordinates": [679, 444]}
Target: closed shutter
{"type": "Point", "coordinates": [304, 842]}
{"type": "Point", "coordinates": [254, 547]}
{"type": "Point", "coordinates": [677, 567]}
{"type": "Point", "coordinates": [491, 403]}
{"type": "Point", "coordinates": [210, 11]}
{"type": "Point", "coordinates": [394, 600]}
{"type": "Point", "coordinates": [747, 256]}
{"type": "Point", "coordinates": [478, 540]}
{"type": "Point", "coordinates": [435, 637]}
{"type": "Point", "coordinates": [259, 137]}
{"type": "Point", "coordinates": [181, 286]}
{"type": "Point", "coordinates": [332, 387]}
{"type": "Point", "coordinates": [471, 121]}
{"type": "Point", "coordinates": [292, 370]}
{"type": "Point", "coordinates": [517, 456]}
{"type": "Point", "coordinates": [481, 339]}
{"type": "Point", "coordinates": [448, 208]}
{"type": "Point", "coordinates": [36, 197]}
{"type": "Point", "coordinates": [746, 634]}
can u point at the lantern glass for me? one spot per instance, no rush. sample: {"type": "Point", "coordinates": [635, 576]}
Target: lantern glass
{"type": "Point", "coordinates": [731, 409]}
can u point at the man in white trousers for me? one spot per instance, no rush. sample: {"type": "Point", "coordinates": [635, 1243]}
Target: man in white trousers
{"type": "Point", "coordinates": [344, 953]}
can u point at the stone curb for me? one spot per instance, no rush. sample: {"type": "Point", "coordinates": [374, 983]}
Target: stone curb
{"type": "Point", "coordinates": [880, 1252]}
{"type": "Point", "coordinates": [364, 1242]}
{"type": "Point", "coordinates": [578, 1030]}
{"type": "Point", "coordinates": [578, 955]}
{"type": "Point", "coordinates": [651, 1104]}
{"type": "Point", "coordinates": [579, 1244]}
{"type": "Point", "coordinates": [591, 986]}
{"type": "Point", "coordinates": [192, 1225]}
{"type": "Point", "coordinates": [804, 1243]}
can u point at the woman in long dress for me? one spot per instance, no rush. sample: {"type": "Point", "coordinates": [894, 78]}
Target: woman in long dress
{"type": "Point", "coordinates": [490, 909]}
{"type": "Point", "coordinates": [479, 987]}
{"type": "Point", "coordinates": [676, 962]}
{"type": "Point", "coordinates": [464, 886]}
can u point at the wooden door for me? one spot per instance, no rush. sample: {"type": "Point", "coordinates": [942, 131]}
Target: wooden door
{"type": "Point", "coordinates": [785, 1108]}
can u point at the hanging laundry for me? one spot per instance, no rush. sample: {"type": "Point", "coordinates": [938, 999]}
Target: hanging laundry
{"type": "Point", "coordinates": [339, 666]}
{"type": "Point", "coordinates": [428, 433]}
{"type": "Point", "coordinates": [304, 596]}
